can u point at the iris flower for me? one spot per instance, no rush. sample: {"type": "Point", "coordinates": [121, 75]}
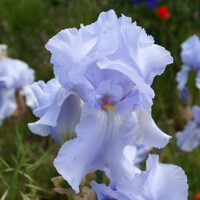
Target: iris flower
{"type": "Point", "coordinates": [15, 75]}
{"type": "Point", "coordinates": [108, 67]}
{"type": "Point", "coordinates": [98, 107]}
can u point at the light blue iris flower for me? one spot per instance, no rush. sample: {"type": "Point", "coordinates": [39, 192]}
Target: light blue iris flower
{"type": "Point", "coordinates": [189, 139]}
{"type": "Point", "coordinates": [58, 110]}
{"type": "Point", "coordinates": [159, 181]}
{"type": "Point", "coordinates": [190, 56]}
{"type": "Point", "coordinates": [110, 65]}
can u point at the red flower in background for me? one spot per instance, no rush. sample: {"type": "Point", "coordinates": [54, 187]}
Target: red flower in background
{"type": "Point", "coordinates": [163, 12]}
{"type": "Point", "coordinates": [197, 196]}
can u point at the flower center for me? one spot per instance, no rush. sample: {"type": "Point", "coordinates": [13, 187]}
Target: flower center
{"type": "Point", "coordinates": [110, 107]}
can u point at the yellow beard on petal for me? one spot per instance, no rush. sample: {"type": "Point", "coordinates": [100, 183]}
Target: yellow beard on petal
{"type": "Point", "coordinates": [108, 107]}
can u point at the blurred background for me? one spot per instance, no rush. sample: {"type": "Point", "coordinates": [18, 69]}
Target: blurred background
{"type": "Point", "coordinates": [26, 160]}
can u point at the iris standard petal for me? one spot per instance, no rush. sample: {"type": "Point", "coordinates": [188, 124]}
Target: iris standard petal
{"type": "Point", "coordinates": [146, 92]}
{"type": "Point", "coordinates": [135, 52]}
{"type": "Point", "coordinates": [110, 41]}
{"type": "Point", "coordinates": [73, 50]}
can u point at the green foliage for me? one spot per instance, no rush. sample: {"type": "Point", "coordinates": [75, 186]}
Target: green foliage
{"type": "Point", "coordinates": [25, 159]}
{"type": "Point", "coordinates": [24, 164]}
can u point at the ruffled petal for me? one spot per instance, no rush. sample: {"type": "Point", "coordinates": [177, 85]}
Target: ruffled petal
{"type": "Point", "coordinates": [137, 52]}
{"type": "Point", "coordinates": [149, 134]}
{"type": "Point", "coordinates": [166, 181]}
{"type": "Point", "coordinates": [59, 111]}
{"type": "Point", "coordinates": [159, 181]}
{"type": "Point", "coordinates": [73, 51]}
{"type": "Point", "coordinates": [111, 43]}
{"type": "Point", "coordinates": [100, 142]}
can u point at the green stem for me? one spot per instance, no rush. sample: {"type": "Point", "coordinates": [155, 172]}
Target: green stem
{"type": "Point", "coordinates": [99, 175]}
